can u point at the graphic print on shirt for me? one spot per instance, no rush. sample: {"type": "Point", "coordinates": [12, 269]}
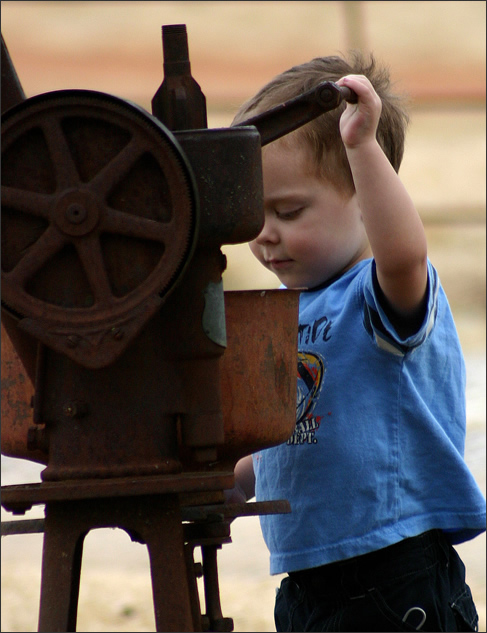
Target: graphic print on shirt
{"type": "Point", "coordinates": [311, 369]}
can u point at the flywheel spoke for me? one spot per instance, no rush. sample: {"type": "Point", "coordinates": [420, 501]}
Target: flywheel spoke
{"type": "Point", "coordinates": [29, 202]}
{"type": "Point", "coordinates": [130, 225]}
{"type": "Point", "coordinates": [90, 254]}
{"type": "Point", "coordinates": [66, 172]}
{"type": "Point", "coordinates": [50, 242]}
{"type": "Point", "coordinates": [116, 169]}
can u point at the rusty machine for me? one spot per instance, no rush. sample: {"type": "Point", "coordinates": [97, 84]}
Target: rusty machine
{"type": "Point", "coordinates": [126, 369]}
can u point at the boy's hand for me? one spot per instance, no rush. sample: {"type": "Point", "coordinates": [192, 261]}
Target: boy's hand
{"type": "Point", "coordinates": [235, 495]}
{"type": "Point", "coordinates": [358, 123]}
{"type": "Point", "coordinates": [244, 488]}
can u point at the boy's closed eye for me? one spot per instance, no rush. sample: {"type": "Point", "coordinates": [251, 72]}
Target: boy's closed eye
{"type": "Point", "coordinates": [289, 214]}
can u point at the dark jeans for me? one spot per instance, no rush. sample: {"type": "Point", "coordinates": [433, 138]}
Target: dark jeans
{"type": "Point", "coordinates": [415, 585]}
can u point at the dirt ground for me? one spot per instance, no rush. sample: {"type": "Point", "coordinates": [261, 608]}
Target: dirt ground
{"type": "Point", "coordinates": [436, 51]}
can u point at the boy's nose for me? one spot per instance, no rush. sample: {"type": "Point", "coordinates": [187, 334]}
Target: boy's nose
{"type": "Point", "coordinates": [268, 234]}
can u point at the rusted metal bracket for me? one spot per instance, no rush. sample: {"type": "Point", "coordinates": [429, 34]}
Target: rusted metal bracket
{"type": "Point", "coordinates": [227, 511]}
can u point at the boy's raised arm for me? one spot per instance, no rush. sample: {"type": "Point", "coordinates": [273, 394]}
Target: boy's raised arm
{"type": "Point", "coordinates": [393, 226]}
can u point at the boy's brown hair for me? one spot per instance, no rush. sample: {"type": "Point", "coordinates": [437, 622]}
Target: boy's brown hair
{"type": "Point", "coordinates": [322, 135]}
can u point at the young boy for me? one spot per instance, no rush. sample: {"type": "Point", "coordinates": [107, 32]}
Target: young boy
{"type": "Point", "coordinates": [374, 471]}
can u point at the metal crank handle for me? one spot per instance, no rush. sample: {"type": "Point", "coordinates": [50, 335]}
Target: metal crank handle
{"type": "Point", "coordinates": [348, 94]}
{"type": "Point", "coordinates": [296, 112]}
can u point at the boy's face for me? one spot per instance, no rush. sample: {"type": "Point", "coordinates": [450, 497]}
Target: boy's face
{"type": "Point", "coordinates": [311, 231]}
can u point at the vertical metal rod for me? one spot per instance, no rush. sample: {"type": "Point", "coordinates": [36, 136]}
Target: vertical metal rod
{"type": "Point", "coordinates": [192, 575]}
{"type": "Point", "coordinates": [212, 590]}
{"type": "Point", "coordinates": [179, 102]}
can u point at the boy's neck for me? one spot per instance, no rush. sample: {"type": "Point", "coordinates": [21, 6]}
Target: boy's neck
{"type": "Point", "coordinates": [367, 255]}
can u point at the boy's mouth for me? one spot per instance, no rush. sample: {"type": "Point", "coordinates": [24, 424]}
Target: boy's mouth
{"type": "Point", "coordinates": [279, 264]}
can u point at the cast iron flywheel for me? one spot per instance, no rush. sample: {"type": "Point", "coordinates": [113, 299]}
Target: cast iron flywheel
{"type": "Point", "coordinates": [99, 220]}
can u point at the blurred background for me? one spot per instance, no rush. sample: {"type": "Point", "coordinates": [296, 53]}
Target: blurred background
{"type": "Point", "coordinates": [436, 52]}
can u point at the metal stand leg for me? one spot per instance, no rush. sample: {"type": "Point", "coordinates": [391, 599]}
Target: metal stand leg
{"type": "Point", "coordinates": [61, 568]}
{"type": "Point", "coordinates": [162, 531]}
{"type": "Point", "coordinates": [154, 520]}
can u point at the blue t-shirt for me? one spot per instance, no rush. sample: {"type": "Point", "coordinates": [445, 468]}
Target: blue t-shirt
{"type": "Point", "coordinates": [377, 454]}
